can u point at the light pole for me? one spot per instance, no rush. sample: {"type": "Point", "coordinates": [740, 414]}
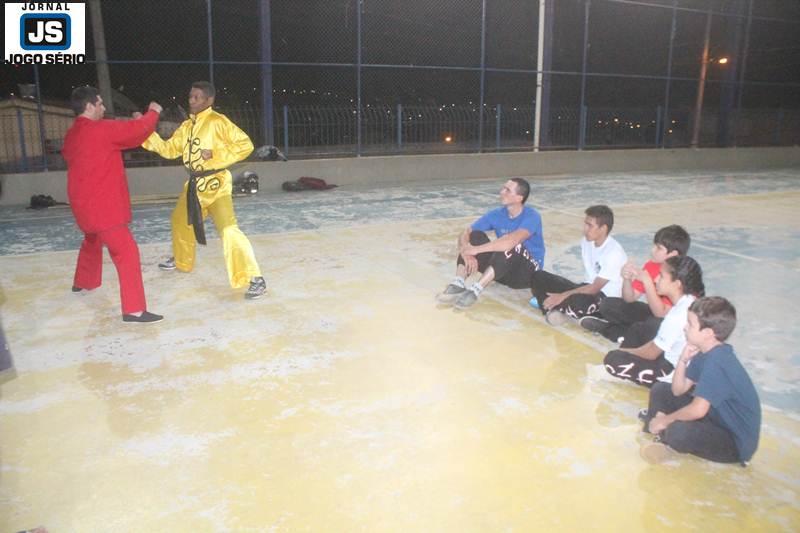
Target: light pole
{"type": "Point", "coordinates": [701, 82]}
{"type": "Point", "coordinates": [99, 36]}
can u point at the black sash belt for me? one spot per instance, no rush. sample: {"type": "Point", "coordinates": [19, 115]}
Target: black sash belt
{"type": "Point", "coordinates": [194, 212]}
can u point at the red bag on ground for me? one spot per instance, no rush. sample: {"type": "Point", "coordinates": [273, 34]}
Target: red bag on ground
{"type": "Point", "coordinates": [316, 183]}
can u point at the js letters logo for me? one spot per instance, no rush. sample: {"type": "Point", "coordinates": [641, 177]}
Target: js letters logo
{"type": "Point", "coordinates": [45, 33]}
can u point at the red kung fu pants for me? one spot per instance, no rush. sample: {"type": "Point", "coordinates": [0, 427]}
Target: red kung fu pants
{"type": "Point", "coordinates": [125, 255]}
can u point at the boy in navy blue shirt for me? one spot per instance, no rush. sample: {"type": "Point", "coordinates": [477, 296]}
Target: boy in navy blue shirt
{"type": "Point", "coordinates": [711, 409]}
{"type": "Point", "coordinates": [510, 259]}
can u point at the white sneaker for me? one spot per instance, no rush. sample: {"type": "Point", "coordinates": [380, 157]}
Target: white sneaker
{"type": "Point", "coordinates": [167, 264]}
{"type": "Point", "coordinates": [556, 318]}
{"type": "Point", "coordinates": [257, 289]}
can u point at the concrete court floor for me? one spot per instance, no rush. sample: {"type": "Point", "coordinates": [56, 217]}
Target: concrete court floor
{"type": "Point", "coordinates": [347, 400]}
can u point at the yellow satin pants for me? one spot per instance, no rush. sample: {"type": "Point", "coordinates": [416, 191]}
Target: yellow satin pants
{"type": "Point", "coordinates": [239, 257]}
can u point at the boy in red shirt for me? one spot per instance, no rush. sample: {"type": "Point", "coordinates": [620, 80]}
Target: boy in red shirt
{"type": "Point", "coordinates": [617, 315]}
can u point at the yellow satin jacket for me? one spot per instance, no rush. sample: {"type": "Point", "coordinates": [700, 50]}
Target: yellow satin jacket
{"type": "Point", "coordinates": [207, 130]}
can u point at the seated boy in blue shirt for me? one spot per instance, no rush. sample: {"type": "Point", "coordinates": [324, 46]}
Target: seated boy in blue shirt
{"type": "Point", "coordinates": [510, 259]}
{"type": "Point", "coordinates": [711, 409]}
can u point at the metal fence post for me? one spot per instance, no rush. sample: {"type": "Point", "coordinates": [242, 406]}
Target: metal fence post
{"type": "Point", "coordinates": [547, 79]}
{"type": "Point", "coordinates": [483, 77]}
{"type": "Point", "coordinates": [40, 112]}
{"type": "Point", "coordinates": [286, 130]}
{"type": "Point", "coordinates": [779, 126]}
{"type": "Point", "coordinates": [498, 121]}
{"type": "Point", "coordinates": [669, 71]}
{"type": "Point", "coordinates": [210, 43]}
{"type": "Point", "coordinates": [358, 76]}
{"type": "Point", "coordinates": [659, 123]}
{"type": "Point", "coordinates": [21, 127]}
{"type": "Point", "coordinates": [267, 120]}
{"type": "Point", "coordinates": [742, 68]}
{"type": "Point", "coordinates": [582, 128]}
{"type": "Point", "coordinates": [399, 126]}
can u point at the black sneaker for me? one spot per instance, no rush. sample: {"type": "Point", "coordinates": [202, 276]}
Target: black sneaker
{"type": "Point", "coordinates": [450, 293]}
{"type": "Point", "coordinates": [146, 316]}
{"type": "Point", "coordinates": [75, 288]}
{"type": "Point", "coordinates": [167, 264]}
{"type": "Point", "coordinates": [642, 414]}
{"type": "Point", "coordinates": [593, 323]}
{"type": "Point", "coordinates": [257, 289]}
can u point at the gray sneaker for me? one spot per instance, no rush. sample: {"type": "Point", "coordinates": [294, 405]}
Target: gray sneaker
{"type": "Point", "coordinates": [450, 293]}
{"type": "Point", "coordinates": [467, 298]}
{"type": "Point", "coordinates": [167, 264]}
{"type": "Point", "coordinates": [556, 318]}
{"type": "Point", "coordinates": [257, 289]}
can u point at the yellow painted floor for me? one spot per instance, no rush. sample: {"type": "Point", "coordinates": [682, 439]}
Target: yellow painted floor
{"type": "Point", "coordinates": [348, 400]}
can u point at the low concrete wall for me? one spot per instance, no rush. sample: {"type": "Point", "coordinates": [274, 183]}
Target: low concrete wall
{"type": "Point", "coordinates": [166, 181]}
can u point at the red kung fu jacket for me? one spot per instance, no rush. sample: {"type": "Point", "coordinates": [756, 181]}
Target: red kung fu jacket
{"type": "Point", "coordinates": [96, 183]}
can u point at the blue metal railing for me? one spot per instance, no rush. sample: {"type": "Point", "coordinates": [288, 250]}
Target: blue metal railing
{"type": "Point", "coordinates": [326, 131]}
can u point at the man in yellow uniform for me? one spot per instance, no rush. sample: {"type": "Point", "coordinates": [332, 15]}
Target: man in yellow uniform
{"type": "Point", "coordinates": [208, 143]}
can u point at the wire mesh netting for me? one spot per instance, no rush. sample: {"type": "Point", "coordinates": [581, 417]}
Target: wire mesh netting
{"type": "Point", "coordinates": [358, 77]}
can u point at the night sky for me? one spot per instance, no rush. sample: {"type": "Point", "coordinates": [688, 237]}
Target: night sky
{"type": "Point", "coordinates": [624, 39]}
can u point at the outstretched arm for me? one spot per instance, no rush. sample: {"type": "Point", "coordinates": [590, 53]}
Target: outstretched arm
{"type": "Point", "coordinates": [131, 133]}
{"type": "Point", "coordinates": [171, 148]}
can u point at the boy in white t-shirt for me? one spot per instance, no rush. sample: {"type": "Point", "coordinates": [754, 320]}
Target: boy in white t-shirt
{"type": "Point", "coordinates": [645, 361]}
{"type": "Point", "coordinates": [603, 258]}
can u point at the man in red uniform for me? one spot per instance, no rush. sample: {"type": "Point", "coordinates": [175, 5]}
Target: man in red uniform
{"type": "Point", "coordinates": [98, 195]}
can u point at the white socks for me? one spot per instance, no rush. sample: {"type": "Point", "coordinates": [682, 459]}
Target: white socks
{"type": "Point", "coordinates": [476, 288]}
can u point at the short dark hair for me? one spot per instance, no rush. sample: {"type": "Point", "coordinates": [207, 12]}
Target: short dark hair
{"type": "Point", "coordinates": [207, 87]}
{"type": "Point", "coordinates": [717, 313]}
{"type": "Point", "coordinates": [674, 238]}
{"type": "Point", "coordinates": [602, 214]}
{"type": "Point", "coordinates": [688, 272]}
{"type": "Point", "coordinates": [523, 188]}
{"type": "Point", "coordinates": [81, 97]}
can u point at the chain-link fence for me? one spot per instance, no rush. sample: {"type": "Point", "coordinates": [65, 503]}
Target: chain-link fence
{"type": "Point", "coordinates": [368, 77]}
